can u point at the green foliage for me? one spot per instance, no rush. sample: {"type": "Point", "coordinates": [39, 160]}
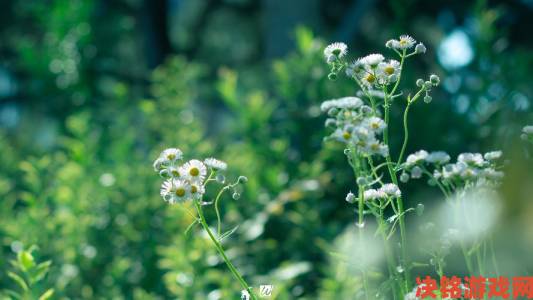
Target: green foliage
{"type": "Point", "coordinates": [28, 277]}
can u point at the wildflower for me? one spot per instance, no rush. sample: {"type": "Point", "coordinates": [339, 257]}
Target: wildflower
{"type": "Point", "coordinates": [404, 177]}
{"type": "Point", "coordinates": [375, 124]}
{"type": "Point", "coordinates": [372, 60]}
{"type": "Point", "coordinates": [350, 198]}
{"type": "Point", "coordinates": [170, 156]}
{"type": "Point", "coordinates": [341, 103]}
{"type": "Point", "coordinates": [369, 79]}
{"type": "Point", "coordinates": [355, 68]}
{"type": "Point", "coordinates": [438, 157]}
{"type": "Point", "coordinates": [528, 129]}
{"type": "Point", "coordinates": [475, 159]}
{"type": "Point", "coordinates": [416, 157]}
{"type": "Point", "coordinates": [391, 190]}
{"type": "Point", "coordinates": [373, 146]}
{"type": "Point", "coordinates": [175, 190]}
{"type": "Point", "coordinates": [372, 194]}
{"type": "Point", "coordinates": [405, 42]}
{"type": "Point", "coordinates": [197, 190]}
{"type": "Point", "coordinates": [337, 50]}
{"type": "Point", "coordinates": [194, 170]}
{"type": "Point", "coordinates": [493, 155]}
{"type": "Point", "coordinates": [215, 164]}
{"type": "Point", "coordinates": [242, 179]}
{"type": "Point", "coordinates": [388, 71]}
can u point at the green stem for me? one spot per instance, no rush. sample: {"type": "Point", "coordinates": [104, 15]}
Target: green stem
{"type": "Point", "coordinates": [399, 199]}
{"type": "Point", "coordinates": [405, 133]}
{"type": "Point", "coordinates": [221, 251]}
{"type": "Point", "coordinates": [217, 211]}
{"type": "Point", "coordinates": [361, 224]}
{"type": "Point", "coordinates": [493, 255]}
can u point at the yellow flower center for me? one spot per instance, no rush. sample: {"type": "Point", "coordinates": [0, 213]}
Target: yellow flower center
{"type": "Point", "coordinates": [374, 147]}
{"type": "Point", "coordinates": [389, 70]}
{"type": "Point", "coordinates": [194, 189]}
{"type": "Point", "coordinates": [171, 156]}
{"type": "Point", "coordinates": [370, 78]}
{"type": "Point", "coordinates": [175, 173]}
{"type": "Point", "coordinates": [180, 192]}
{"type": "Point", "coordinates": [374, 125]}
{"type": "Point", "coordinates": [346, 135]}
{"type": "Point", "coordinates": [194, 171]}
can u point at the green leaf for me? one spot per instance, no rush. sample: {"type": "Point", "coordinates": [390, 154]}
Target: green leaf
{"type": "Point", "coordinates": [19, 280]}
{"type": "Point", "coordinates": [47, 294]}
{"type": "Point", "coordinates": [227, 233]}
{"type": "Point", "coordinates": [26, 260]}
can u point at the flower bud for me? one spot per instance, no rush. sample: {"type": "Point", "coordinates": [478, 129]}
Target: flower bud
{"type": "Point", "coordinates": [419, 209]}
{"type": "Point", "coordinates": [404, 177]}
{"type": "Point", "coordinates": [419, 82]}
{"type": "Point", "coordinates": [435, 80]}
{"type": "Point", "coordinates": [236, 196]}
{"type": "Point", "coordinates": [350, 198]}
{"type": "Point", "coordinates": [242, 179]}
{"type": "Point", "coordinates": [330, 122]}
{"type": "Point", "coordinates": [361, 181]}
{"type": "Point", "coordinates": [427, 85]}
{"type": "Point", "coordinates": [347, 152]}
{"type": "Point", "coordinates": [420, 48]}
{"type": "Point", "coordinates": [221, 178]}
{"type": "Point", "coordinates": [331, 59]}
{"type": "Point", "coordinates": [332, 112]}
{"type": "Point", "coordinates": [389, 43]}
{"type": "Point", "coordinates": [332, 76]}
{"type": "Point", "coordinates": [427, 98]}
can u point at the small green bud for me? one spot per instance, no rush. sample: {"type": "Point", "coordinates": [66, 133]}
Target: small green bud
{"type": "Point", "coordinates": [419, 82]}
{"type": "Point", "coordinates": [435, 80]}
{"type": "Point", "coordinates": [236, 196]}
{"type": "Point", "coordinates": [419, 209]}
{"type": "Point", "coordinates": [427, 98]}
{"type": "Point", "coordinates": [404, 177]}
{"type": "Point", "coordinates": [332, 76]}
{"type": "Point", "coordinates": [428, 85]}
{"type": "Point", "coordinates": [242, 179]}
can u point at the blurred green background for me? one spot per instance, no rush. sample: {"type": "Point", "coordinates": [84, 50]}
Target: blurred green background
{"type": "Point", "coordinates": [92, 91]}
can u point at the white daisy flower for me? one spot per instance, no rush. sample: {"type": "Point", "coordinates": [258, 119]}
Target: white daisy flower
{"type": "Point", "coordinates": [175, 190]}
{"type": "Point", "coordinates": [438, 157]}
{"type": "Point", "coordinates": [375, 147]}
{"type": "Point", "coordinates": [372, 60]}
{"type": "Point", "coordinates": [355, 68]}
{"type": "Point", "coordinates": [391, 190]}
{"type": "Point", "coordinates": [405, 42]}
{"type": "Point", "coordinates": [493, 155]}
{"type": "Point", "coordinates": [341, 103]}
{"type": "Point", "coordinates": [196, 190]}
{"type": "Point", "coordinates": [528, 129]}
{"type": "Point", "coordinates": [372, 194]}
{"type": "Point", "coordinates": [475, 159]}
{"type": "Point", "coordinates": [375, 124]}
{"type": "Point", "coordinates": [172, 154]}
{"type": "Point", "coordinates": [336, 50]}
{"type": "Point", "coordinates": [215, 164]}
{"type": "Point", "coordinates": [416, 157]}
{"type": "Point", "coordinates": [388, 71]}
{"type": "Point", "coordinates": [194, 171]}
{"type": "Point", "coordinates": [369, 79]}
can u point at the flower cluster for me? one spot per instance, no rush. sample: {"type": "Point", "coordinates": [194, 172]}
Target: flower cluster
{"type": "Point", "coordinates": [527, 133]}
{"type": "Point", "coordinates": [356, 125]}
{"type": "Point", "coordinates": [469, 167]}
{"type": "Point", "coordinates": [388, 190]}
{"type": "Point", "coordinates": [184, 181]}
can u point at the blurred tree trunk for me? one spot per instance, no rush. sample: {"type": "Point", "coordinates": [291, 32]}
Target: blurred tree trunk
{"type": "Point", "coordinates": [157, 44]}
